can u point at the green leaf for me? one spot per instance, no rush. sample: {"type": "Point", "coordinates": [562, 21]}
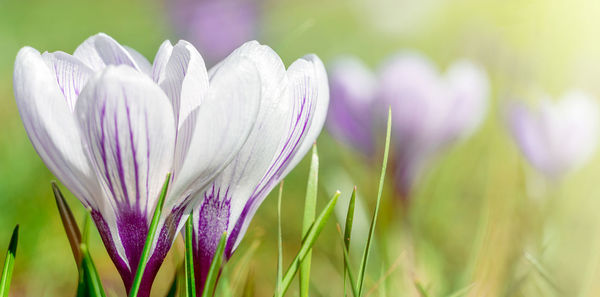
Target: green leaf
{"type": "Point", "coordinates": [307, 243]}
{"type": "Point", "coordinates": [348, 269]}
{"type": "Point", "coordinates": [310, 209]}
{"type": "Point", "coordinates": [365, 258]}
{"type": "Point", "coordinates": [189, 259]}
{"type": "Point", "coordinates": [421, 289]}
{"type": "Point", "coordinates": [90, 274]}
{"type": "Point", "coordinates": [173, 289]}
{"type": "Point", "coordinates": [279, 242]}
{"type": "Point", "coordinates": [215, 267]}
{"type": "Point", "coordinates": [69, 223]}
{"type": "Point", "coordinates": [462, 291]}
{"type": "Point", "coordinates": [9, 263]}
{"type": "Point", "coordinates": [135, 286]}
{"type": "Point", "coordinates": [348, 234]}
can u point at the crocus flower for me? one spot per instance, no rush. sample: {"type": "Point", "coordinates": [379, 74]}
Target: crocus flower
{"type": "Point", "coordinates": [216, 27]}
{"type": "Point", "coordinates": [353, 97]}
{"type": "Point", "coordinates": [293, 110]}
{"type": "Point", "coordinates": [430, 111]}
{"type": "Point", "coordinates": [111, 126]}
{"type": "Point", "coordinates": [556, 137]}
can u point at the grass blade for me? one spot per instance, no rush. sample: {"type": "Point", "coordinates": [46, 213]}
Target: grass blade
{"type": "Point", "coordinates": [90, 274]}
{"type": "Point", "coordinates": [189, 259]}
{"type": "Point", "coordinates": [307, 243]}
{"type": "Point", "coordinates": [173, 289]}
{"type": "Point", "coordinates": [9, 263]}
{"type": "Point", "coordinates": [421, 289]}
{"type": "Point", "coordinates": [365, 258]}
{"type": "Point", "coordinates": [310, 209]}
{"type": "Point", "coordinates": [348, 269]}
{"type": "Point", "coordinates": [135, 286]}
{"type": "Point", "coordinates": [279, 241]}
{"type": "Point", "coordinates": [215, 267]}
{"type": "Point", "coordinates": [69, 223]}
{"type": "Point", "coordinates": [348, 234]}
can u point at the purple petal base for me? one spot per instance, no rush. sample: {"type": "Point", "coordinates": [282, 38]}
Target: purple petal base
{"type": "Point", "coordinates": [133, 230]}
{"type": "Point", "coordinates": [213, 221]}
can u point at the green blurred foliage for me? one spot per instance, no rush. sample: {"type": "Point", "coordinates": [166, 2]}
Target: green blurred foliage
{"type": "Point", "coordinates": [481, 219]}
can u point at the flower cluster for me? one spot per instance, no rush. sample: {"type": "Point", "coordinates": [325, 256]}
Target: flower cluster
{"type": "Point", "coordinates": [111, 126]}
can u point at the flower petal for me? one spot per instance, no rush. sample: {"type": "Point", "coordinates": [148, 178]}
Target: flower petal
{"type": "Point", "coordinates": [185, 80]}
{"type": "Point", "coordinates": [101, 50]}
{"type": "Point", "coordinates": [71, 75]}
{"type": "Point", "coordinates": [130, 135]}
{"type": "Point", "coordinates": [307, 102]}
{"type": "Point", "coordinates": [160, 61]}
{"type": "Point", "coordinates": [223, 123]}
{"type": "Point", "coordinates": [353, 92]}
{"type": "Point", "coordinates": [50, 125]}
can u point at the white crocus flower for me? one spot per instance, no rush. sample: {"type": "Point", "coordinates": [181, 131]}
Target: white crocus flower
{"type": "Point", "coordinates": [291, 116]}
{"type": "Point", "coordinates": [111, 126]}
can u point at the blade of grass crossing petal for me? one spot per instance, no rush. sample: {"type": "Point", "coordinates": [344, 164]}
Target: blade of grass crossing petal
{"type": "Point", "coordinates": [310, 209]}
{"type": "Point", "coordinates": [9, 263]}
{"type": "Point", "coordinates": [215, 267]}
{"type": "Point", "coordinates": [307, 243]}
{"type": "Point", "coordinates": [348, 268]}
{"type": "Point", "coordinates": [135, 286]}
{"type": "Point", "coordinates": [69, 223]}
{"type": "Point", "coordinates": [348, 233]}
{"type": "Point", "coordinates": [190, 283]}
{"type": "Point", "coordinates": [279, 242]}
{"type": "Point", "coordinates": [90, 274]}
{"type": "Point", "coordinates": [421, 289]}
{"type": "Point", "coordinates": [365, 258]}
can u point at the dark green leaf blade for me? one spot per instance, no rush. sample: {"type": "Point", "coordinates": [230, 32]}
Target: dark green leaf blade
{"type": "Point", "coordinates": [9, 263]}
{"type": "Point", "coordinates": [189, 259]}
{"type": "Point", "coordinates": [215, 267]}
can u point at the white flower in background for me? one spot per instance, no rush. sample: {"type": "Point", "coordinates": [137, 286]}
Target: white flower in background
{"type": "Point", "coordinates": [556, 137]}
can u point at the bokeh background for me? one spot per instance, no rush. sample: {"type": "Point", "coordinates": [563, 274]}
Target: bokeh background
{"type": "Point", "coordinates": [474, 216]}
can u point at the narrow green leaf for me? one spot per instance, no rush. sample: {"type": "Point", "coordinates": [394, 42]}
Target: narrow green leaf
{"type": "Point", "coordinates": [189, 259]}
{"type": "Point", "coordinates": [173, 289]}
{"type": "Point", "coordinates": [365, 258]}
{"type": "Point", "coordinates": [90, 274]}
{"type": "Point", "coordinates": [348, 268]}
{"type": "Point", "coordinates": [135, 286]}
{"type": "Point", "coordinates": [348, 232]}
{"type": "Point", "coordinates": [279, 241]}
{"type": "Point", "coordinates": [543, 272]}
{"type": "Point", "coordinates": [9, 263]}
{"type": "Point", "coordinates": [310, 210]}
{"type": "Point", "coordinates": [215, 267]}
{"type": "Point", "coordinates": [307, 243]}
{"type": "Point", "coordinates": [69, 223]}
{"type": "Point", "coordinates": [421, 289]}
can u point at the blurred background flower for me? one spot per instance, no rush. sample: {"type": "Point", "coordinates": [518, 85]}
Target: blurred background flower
{"type": "Point", "coordinates": [556, 137]}
{"type": "Point", "coordinates": [216, 27]}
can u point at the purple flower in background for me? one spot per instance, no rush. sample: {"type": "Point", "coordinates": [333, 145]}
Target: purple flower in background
{"type": "Point", "coordinates": [293, 109]}
{"type": "Point", "coordinates": [216, 27]}
{"type": "Point", "coordinates": [111, 126]}
{"type": "Point", "coordinates": [353, 95]}
{"type": "Point", "coordinates": [556, 137]}
{"type": "Point", "coordinates": [430, 111]}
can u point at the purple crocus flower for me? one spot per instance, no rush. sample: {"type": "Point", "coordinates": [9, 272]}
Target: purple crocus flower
{"type": "Point", "coordinates": [216, 27]}
{"type": "Point", "coordinates": [292, 113]}
{"type": "Point", "coordinates": [557, 137]}
{"type": "Point", "coordinates": [111, 126]}
{"type": "Point", "coordinates": [431, 111]}
{"type": "Point", "coordinates": [353, 98]}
